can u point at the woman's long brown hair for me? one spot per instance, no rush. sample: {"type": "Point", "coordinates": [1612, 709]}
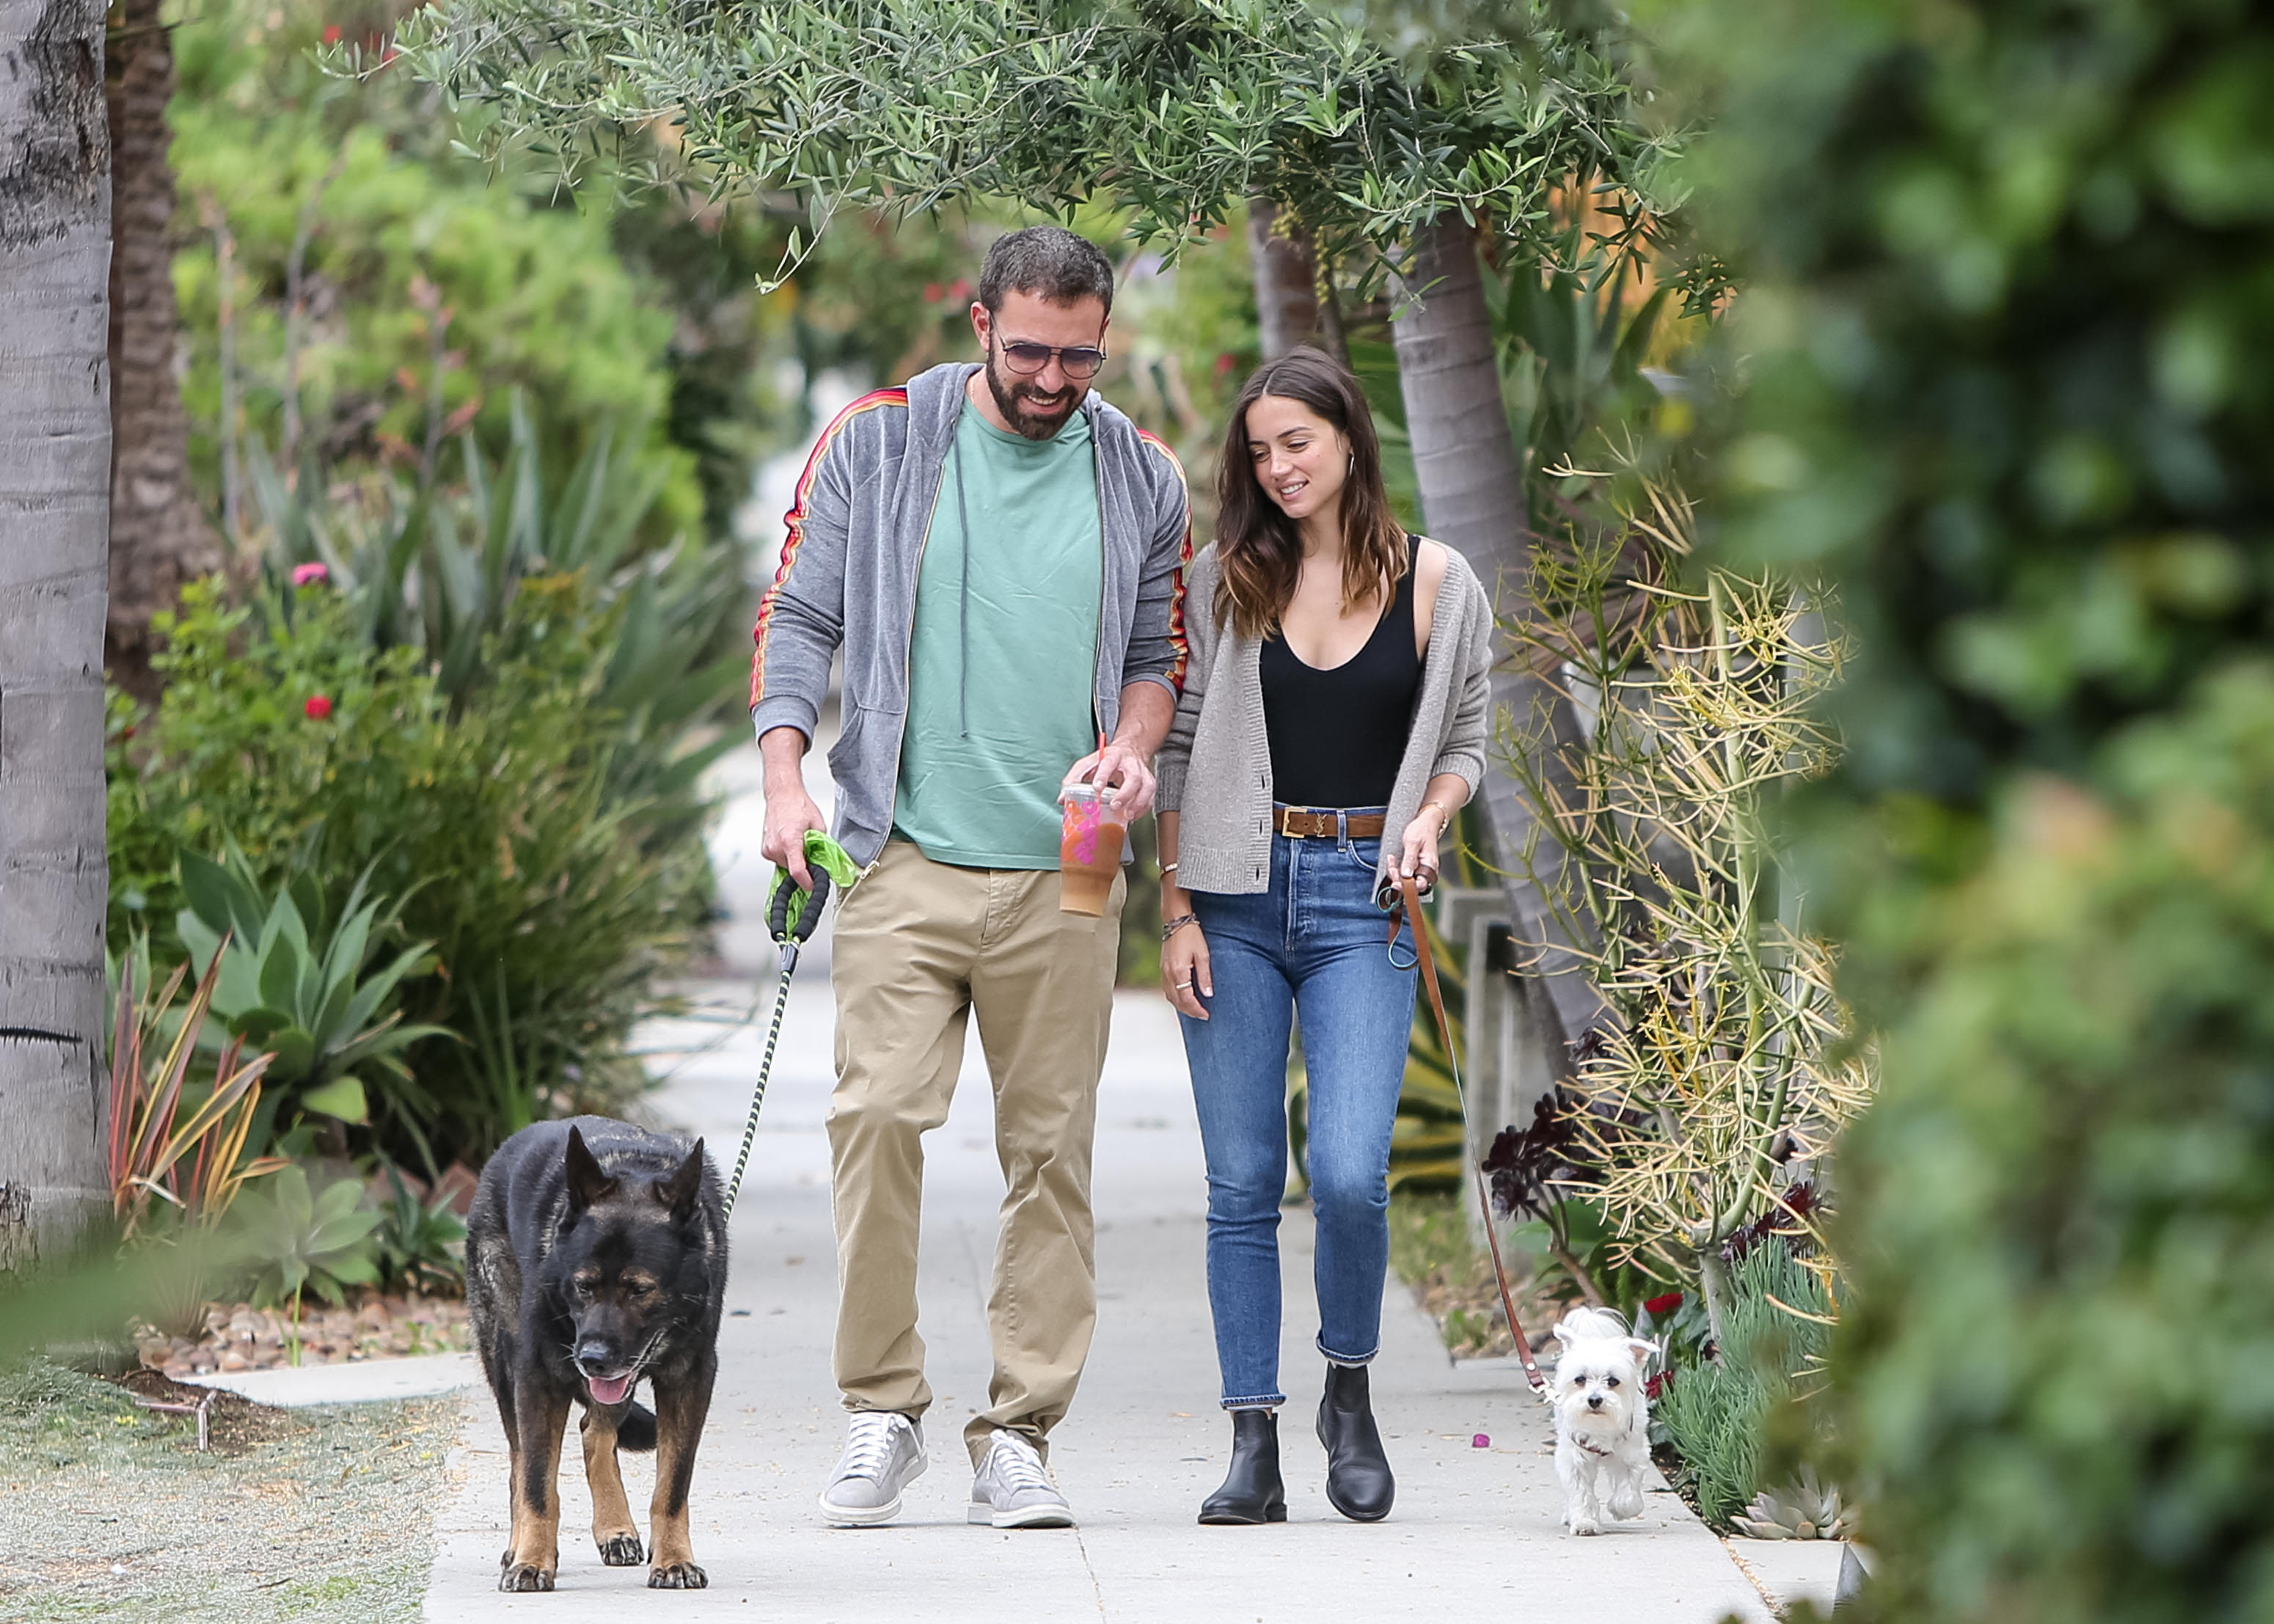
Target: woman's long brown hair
{"type": "Point", "coordinates": [1259, 553]}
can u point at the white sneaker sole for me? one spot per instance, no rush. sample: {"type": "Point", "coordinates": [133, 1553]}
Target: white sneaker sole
{"type": "Point", "coordinates": [981, 1514]}
{"type": "Point", "coordinates": [869, 1516]}
{"type": "Point", "coordinates": [859, 1516]}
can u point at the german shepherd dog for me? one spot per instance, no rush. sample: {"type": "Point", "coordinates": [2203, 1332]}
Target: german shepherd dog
{"type": "Point", "coordinates": [595, 1254]}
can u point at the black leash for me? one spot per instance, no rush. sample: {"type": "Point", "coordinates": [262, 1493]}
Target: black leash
{"type": "Point", "coordinates": [791, 919]}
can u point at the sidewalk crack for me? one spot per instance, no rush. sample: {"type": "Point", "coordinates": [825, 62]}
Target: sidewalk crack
{"type": "Point", "coordinates": [1097, 1589]}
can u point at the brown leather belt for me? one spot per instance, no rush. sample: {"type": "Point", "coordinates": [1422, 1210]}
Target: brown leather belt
{"type": "Point", "coordinates": [1305, 824]}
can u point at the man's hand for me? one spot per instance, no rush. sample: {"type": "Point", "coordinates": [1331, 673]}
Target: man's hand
{"type": "Point", "coordinates": [1119, 770]}
{"type": "Point", "coordinates": [790, 811]}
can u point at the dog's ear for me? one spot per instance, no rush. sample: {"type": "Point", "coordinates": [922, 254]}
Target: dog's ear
{"type": "Point", "coordinates": [588, 1182]}
{"type": "Point", "coordinates": [1641, 1350]}
{"type": "Point", "coordinates": [680, 1189]}
{"type": "Point", "coordinates": [1565, 1333]}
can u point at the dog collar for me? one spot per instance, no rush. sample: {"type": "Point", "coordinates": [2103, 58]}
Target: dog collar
{"type": "Point", "coordinates": [1590, 1449]}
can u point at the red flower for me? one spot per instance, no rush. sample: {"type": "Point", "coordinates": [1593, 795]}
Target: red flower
{"type": "Point", "coordinates": [332, 34]}
{"type": "Point", "coordinates": [959, 291]}
{"type": "Point", "coordinates": [1668, 1303]}
{"type": "Point", "coordinates": [318, 708]}
{"type": "Point", "coordinates": [1655, 1388]}
{"type": "Point", "coordinates": [934, 293]}
{"type": "Point", "coordinates": [1224, 363]}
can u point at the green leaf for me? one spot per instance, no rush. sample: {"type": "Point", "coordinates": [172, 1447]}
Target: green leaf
{"type": "Point", "coordinates": [208, 885]}
{"type": "Point", "coordinates": [295, 1048]}
{"type": "Point", "coordinates": [342, 1097]}
{"type": "Point", "coordinates": [280, 972]}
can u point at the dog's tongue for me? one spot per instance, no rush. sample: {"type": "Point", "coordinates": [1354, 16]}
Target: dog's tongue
{"type": "Point", "coordinates": [609, 1390]}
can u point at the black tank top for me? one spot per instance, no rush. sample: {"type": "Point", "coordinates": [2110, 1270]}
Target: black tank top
{"type": "Point", "coordinates": [1337, 735]}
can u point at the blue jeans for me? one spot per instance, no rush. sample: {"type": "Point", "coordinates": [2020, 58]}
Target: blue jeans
{"type": "Point", "coordinates": [1313, 946]}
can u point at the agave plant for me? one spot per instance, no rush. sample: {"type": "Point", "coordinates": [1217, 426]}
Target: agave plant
{"type": "Point", "coordinates": [303, 993]}
{"type": "Point", "coordinates": [298, 1240]}
{"type": "Point", "coordinates": [1805, 1508]}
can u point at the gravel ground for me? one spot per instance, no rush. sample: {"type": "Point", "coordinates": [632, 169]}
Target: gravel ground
{"type": "Point", "coordinates": [109, 1510]}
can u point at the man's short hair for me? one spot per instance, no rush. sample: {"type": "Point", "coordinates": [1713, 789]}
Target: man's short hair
{"type": "Point", "coordinates": [1048, 260]}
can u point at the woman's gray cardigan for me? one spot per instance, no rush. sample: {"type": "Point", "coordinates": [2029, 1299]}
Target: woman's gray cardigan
{"type": "Point", "coordinates": [1215, 765]}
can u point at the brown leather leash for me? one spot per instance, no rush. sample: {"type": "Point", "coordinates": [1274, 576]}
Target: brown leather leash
{"type": "Point", "coordinates": [1411, 908]}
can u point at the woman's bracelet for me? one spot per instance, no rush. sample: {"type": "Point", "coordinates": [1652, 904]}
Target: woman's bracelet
{"type": "Point", "coordinates": [1167, 868]}
{"type": "Point", "coordinates": [1177, 924]}
{"type": "Point", "coordinates": [1444, 814]}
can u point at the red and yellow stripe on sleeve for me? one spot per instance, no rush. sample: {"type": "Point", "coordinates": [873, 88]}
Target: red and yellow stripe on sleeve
{"type": "Point", "coordinates": [795, 520]}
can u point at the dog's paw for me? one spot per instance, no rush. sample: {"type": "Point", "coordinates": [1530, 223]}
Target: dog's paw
{"type": "Point", "coordinates": [678, 1577]}
{"type": "Point", "coordinates": [621, 1550]}
{"type": "Point", "coordinates": [1585, 1525]}
{"type": "Point", "coordinates": [525, 1576]}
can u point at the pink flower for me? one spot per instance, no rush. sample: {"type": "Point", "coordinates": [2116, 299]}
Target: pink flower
{"type": "Point", "coordinates": [317, 707]}
{"type": "Point", "coordinates": [1481, 1441]}
{"type": "Point", "coordinates": [303, 574]}
{"type": "Point", "coordinates": [934, 293]}
{"type": "Point", "coordinates": [332, 34]}
{"type": "Point", "coordinates": [959, 290]}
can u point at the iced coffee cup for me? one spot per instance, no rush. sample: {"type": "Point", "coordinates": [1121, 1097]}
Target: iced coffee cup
{"type": "Point", "coordinates": [1089, 850]}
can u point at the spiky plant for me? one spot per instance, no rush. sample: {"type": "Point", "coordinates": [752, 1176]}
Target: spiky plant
{"type": "Point", "coordinates": [1804, 1507]}
{"type": "Point", "coordinates": [1722, 1076]}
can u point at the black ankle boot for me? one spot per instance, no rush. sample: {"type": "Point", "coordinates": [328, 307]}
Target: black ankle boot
{"type": "Point", "coordinates": [1359, 1482]}
{"type": "Point", "coordinates": [1252, 1492]}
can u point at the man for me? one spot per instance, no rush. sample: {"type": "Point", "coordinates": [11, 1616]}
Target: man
{"type": "Point", "coordinates": [999, 554]}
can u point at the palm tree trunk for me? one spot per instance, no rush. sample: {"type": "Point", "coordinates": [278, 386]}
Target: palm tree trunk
{"type": "Point", "coordinates": [1472, 497]}
{"type": "Point", "coordinates": [1286, 279]}
{"type": "Point", "coordinates": [159, 537]}
{"type": "Point", "coordinates": [55, 491]}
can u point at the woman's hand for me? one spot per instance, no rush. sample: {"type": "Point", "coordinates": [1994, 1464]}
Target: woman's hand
{"type": "Point", "coordinates": [1185, 971]}
{"type": "Point", "coordinates": [1416, 848]}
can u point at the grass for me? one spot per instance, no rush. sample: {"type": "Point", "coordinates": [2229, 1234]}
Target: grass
{"type": "Point", "coordinates": [109, 1511]}
{"type": "Point", "coordinates": [1451, 1277]}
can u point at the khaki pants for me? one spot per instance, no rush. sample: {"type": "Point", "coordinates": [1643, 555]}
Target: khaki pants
{"type": "Point", "coordinates": [918, 945]}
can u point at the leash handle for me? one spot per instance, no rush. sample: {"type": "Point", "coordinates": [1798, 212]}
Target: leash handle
{"type": "Point", "coordinates": [794, 912]}
{"type": "Point", "coordinates": [1411, 908]}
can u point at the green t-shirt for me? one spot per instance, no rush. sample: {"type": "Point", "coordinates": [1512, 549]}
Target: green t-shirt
{"type": "Point", "coordinates": [1003, 660]}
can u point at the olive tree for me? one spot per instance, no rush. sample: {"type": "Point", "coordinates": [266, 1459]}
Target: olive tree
{"type": "Point", "coordinates": [1383, 166]}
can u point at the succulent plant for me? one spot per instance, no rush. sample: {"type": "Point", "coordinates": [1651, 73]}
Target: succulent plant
{"type": "Point", "coordinates": [1805, 1508]}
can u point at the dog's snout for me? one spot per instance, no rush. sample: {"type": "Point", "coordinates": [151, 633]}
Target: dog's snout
{"type": "Point", "coordinates": [595, 1357]}
{"type": "Point", "coordinates": [1594, 1400]}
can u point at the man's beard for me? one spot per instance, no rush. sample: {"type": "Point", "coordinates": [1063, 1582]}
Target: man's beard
{"type": "Point", "coordinates": [1017, 400]}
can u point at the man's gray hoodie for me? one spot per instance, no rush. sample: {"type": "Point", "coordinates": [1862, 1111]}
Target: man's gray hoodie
{"type": "Point", "coordinates": [848, 577]}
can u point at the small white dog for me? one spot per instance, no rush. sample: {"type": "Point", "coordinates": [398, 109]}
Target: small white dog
{"type": "Point", "coordinates": [1602, 1418]}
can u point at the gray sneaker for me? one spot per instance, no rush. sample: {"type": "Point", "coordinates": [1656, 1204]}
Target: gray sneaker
{"type": "Point", "coordinates": [1012, 1490]}
{"type": "Point", "coordinates": [883, 1453]}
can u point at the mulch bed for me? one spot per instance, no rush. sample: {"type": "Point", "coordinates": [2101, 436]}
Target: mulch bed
{"type": "Point", "coordinates": [233, 1425]}
{"type": "Point", "coordinates": [240, 1338]}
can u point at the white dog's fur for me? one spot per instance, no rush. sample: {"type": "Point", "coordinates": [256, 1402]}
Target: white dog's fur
{"type": "Point", "coordinates": [1602, 1418]}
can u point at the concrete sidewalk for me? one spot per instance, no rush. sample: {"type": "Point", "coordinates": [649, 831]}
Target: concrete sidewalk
{"type": "Point", "coordinates": [1474, 1533]}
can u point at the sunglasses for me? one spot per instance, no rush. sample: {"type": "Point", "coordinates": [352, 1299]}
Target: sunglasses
{"type": "Point", "coordinates": [1025, 360]}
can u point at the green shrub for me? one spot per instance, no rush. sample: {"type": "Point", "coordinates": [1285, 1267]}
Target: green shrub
{"type": "Point", "coordinates": [2010, 272]}
{"type": "Point", "coordinates": [1718, 1411]}
{"type": "Point", "coordinates": [555, 869]}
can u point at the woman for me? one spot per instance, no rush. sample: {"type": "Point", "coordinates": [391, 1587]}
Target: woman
{"type": "Point", "coordinates": [1332, 723]}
